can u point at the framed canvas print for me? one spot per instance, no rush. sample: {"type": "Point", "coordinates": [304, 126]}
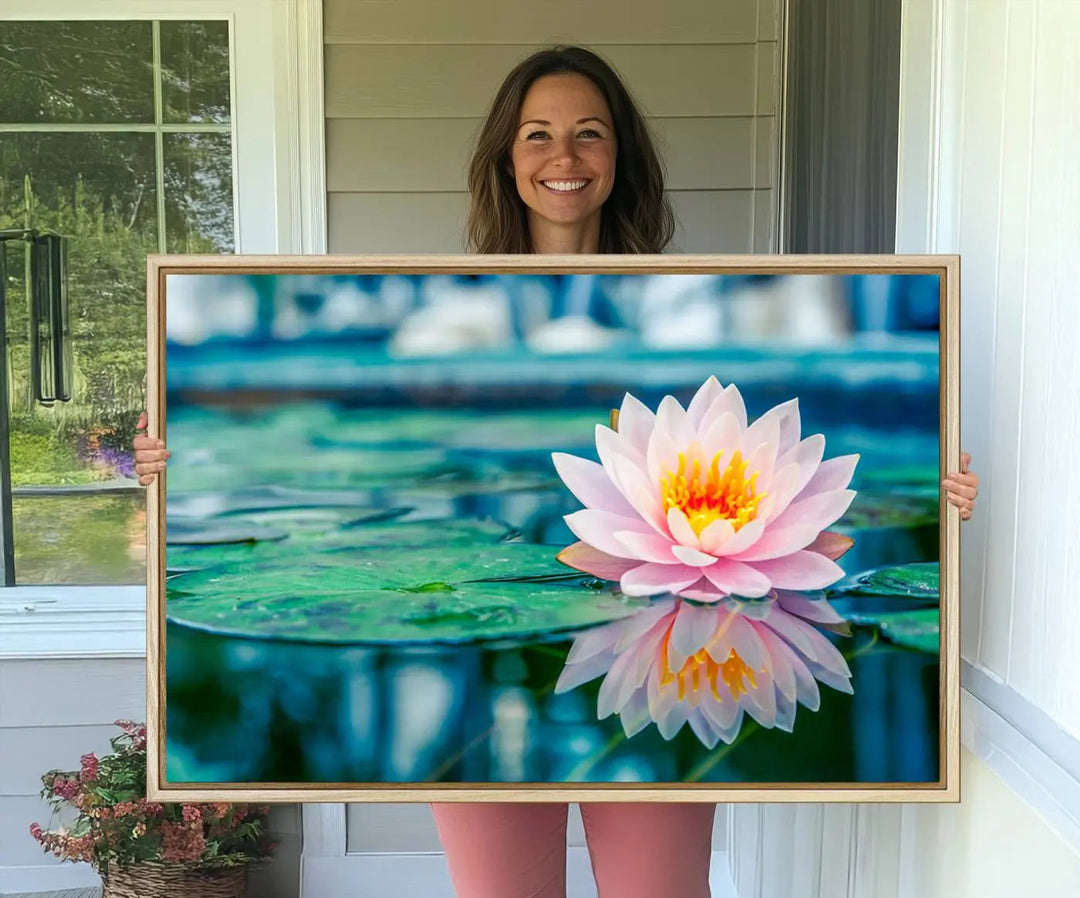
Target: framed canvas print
{"type": "Point", "coordinates": [554, 528]}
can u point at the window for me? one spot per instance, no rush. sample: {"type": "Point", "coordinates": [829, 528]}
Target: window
{"type": "Point", "coordinates": [118, 136]}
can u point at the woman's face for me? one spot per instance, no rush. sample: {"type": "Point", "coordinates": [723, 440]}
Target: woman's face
{"type": "Point", "coordinates": [563, 154]}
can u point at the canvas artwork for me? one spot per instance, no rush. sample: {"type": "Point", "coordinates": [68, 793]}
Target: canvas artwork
{"type": "Point", "coordinates": [441, 529]}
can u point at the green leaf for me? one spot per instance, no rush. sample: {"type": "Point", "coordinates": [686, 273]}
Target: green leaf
{"type": "Point", "coordinates": [365, 533]}
{"type": "Point", "coordinates": [421, 593]}
{"type": "Point", "coordinates": [920, 580]}
{"type": "Point", "coordinates": [916, 629]}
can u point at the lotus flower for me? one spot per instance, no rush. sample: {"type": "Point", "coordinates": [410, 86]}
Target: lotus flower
{"type": "Point", "coordinates": [697, 503]}
{"type": "Point", "coordinates": [677, 662]}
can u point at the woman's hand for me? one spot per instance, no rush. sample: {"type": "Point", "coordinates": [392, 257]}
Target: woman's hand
{"type": "Point", "coordinates": [150, 454]}
{"type": "Point", "coordinates": [961, 489]}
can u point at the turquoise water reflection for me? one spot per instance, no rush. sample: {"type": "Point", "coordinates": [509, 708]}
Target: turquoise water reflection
{"type": "Point", "coordinates": [315, 486]}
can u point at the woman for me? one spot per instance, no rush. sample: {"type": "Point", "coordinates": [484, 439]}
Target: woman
{"type": "Point", "coordinates": [565, 164]}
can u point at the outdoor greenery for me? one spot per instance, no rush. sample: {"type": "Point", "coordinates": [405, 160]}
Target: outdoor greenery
{"type": "Point", "coordinates": [100, 189]}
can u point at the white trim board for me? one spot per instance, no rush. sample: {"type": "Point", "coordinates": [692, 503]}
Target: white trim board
{"type": "Point", "coordinates": [999, 735]}
{"type": "Point", "coordinates": [72, 622]}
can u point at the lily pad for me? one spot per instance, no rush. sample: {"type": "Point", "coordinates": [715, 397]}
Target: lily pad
{"type": "Point", "coordinates": [397, 596]}
{"type": "Point", "coordinates": [259, 498]}
{"type": "Point", "coordinates": [918, 628]}
{"type": "Point", "coordinates": [920, 580]}
{"type": "Point", "coordinates": [183, 532]}
{"type": "Point", "coordinates": [368, 534]}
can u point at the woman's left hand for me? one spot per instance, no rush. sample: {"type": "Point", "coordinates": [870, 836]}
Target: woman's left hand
{"type": "Point", "coordinates": [961, 489]}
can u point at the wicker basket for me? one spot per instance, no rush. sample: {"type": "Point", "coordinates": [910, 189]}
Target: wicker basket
{"type": "Point", "coordinates": [157, 880]}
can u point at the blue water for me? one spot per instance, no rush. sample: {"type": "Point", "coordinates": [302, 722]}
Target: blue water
{"type": "Point", "coordinates": [267, 707]}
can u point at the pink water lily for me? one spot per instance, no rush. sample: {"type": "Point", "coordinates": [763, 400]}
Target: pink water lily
{"type": "Point", "coordinates": [708, 666]}
{"type": "Point", "coordinates": [699, 503]}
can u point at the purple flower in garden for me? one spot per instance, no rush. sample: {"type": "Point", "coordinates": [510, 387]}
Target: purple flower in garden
{"type": "Point", "coordinates": [679, 663]}
{"type": "Point", "coordinates": [698, 503]}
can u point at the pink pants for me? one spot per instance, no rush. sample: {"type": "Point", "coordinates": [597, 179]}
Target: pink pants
{"type": "Point", "coordinates": [643, 850]}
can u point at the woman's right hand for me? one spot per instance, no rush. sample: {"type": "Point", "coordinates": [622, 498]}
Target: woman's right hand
{"type": "Point", "coordinates": [150, 454]}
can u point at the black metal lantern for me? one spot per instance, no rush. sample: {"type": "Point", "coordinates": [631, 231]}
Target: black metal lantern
{"type": "Point", "coordinates": [50, 328]}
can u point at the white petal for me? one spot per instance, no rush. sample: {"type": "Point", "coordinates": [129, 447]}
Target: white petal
{"type": "Point", "coordinates": [636, 423]}
{"type": "Point", "coordinates": [807, 455]}
{"type": "Point", "coordinates": [573, 675]}
{"type": "Point", "coordinates": [606, 700]}
{"type": "Point", "coordinates": [598, 528]}
{"type": "Point", "coordinates": [633, 628]}
{"type": "Point", "coordinates": [744, 538]}
{"type": "Point", "coordinates": [642, 495]}
{"type": "Point", "coordinates": [662, 457]}
{"type": "Point", "coordinates": [800, 570]}
{"type": "Point", "coordinates": [655, 579]}
{"type": "Point", "coordinates": [680, 528]}
{"type": "Point", "coordinates": [703, 398]}
{"type": "Point", "coordinates": [832, 474]}
{"type": "Point", "coordinates": [692, 557]}
{"type": "Point", "coordinates": [817, 610]}
{"type": "Point", "coordinates": [715, 536]}
{"type": "Point", "coordinates": [693, 629]}
{"type": "Point", "coordinates": [778, 541]}
{"type": "Point", "coordinates": [730, 400]}
{"type": "Point", "coordinates": [722, 435]}
{"type": "Point", "coordinates": [647, 546]}
{"type": "Point", "coordinates": [783, 675]}
{"type": "Point", "coordinates": [703, 728]}
{"type": "Point", "coordinates": [736, 577]}
{"type": "Point", "coordinates": [590, 483]}
{"type": "Point", "coordinates": [765, 429]}
{"type": "Point", "coordinates": [672, 419]}
{"type": "Point", "coordinates": [593, 641]}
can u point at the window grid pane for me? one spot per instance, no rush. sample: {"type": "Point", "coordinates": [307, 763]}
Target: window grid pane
{"type": "Point", "coordinates": [119, 184]}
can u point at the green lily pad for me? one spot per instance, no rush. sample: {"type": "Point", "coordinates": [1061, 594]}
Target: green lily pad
{"type": "Point", "coordinates": [918, 628]}
{"type": "Point", "coordinates": [397, 595]}
{"type": "Point", "coordinates": [920, 580]}
{"type": "Point", "coordinates": [369, 534]}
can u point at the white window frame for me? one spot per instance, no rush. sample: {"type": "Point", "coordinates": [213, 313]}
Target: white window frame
{"type": "Point", "coordinates": [279, 177]}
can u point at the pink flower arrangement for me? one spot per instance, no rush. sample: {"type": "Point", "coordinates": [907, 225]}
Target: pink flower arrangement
{"type": "Point", "coordinates": [696, 502]}
{"type": "Point", "coordinates": [118, 825]}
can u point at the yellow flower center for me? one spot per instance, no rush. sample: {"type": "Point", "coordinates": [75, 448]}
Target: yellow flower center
{"type": "Point", "coordinates": [717, 495]}
{"type": "Point", "coordinates": [701, 670]}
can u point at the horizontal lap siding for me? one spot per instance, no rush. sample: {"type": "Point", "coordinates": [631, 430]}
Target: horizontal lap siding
{"type": "Point", "coordinates": [51, 713]}
{"type": "Point", "coordinates": [407, 87]}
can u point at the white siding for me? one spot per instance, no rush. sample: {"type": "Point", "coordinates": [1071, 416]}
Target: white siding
{"type": "Point", "coordinates": [406, 89]}
{"type": "Point", "coordinates": [1007, 200]}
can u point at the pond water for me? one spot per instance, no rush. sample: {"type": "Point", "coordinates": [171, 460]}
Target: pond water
{"type": "Point", "coordinates": [370, 595]}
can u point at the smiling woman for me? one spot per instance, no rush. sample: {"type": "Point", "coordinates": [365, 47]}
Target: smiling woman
{"type": "Point", "coordinates": [565, 164]}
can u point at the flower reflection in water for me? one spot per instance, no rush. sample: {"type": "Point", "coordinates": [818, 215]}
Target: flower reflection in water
{"type": "Point", "coordinates": [679, 662]}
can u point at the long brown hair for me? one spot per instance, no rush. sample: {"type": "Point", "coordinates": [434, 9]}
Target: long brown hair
{"type": "Point", "coordinates": [636, 218]}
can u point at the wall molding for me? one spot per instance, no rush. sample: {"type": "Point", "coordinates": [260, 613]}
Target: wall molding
{"type": "Point", "coordinates": [73, 622]}
{"type": "Point", "coordinates": [1037, 759]}
{"type": "Point", "coordinates": [302, 126]}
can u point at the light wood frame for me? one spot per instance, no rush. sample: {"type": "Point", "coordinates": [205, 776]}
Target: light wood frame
{"type": "Point", "coordinates": [946, 789]}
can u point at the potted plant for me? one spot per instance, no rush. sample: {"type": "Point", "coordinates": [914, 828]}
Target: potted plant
{"type": "Point", "coordinates": [141, 847]}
